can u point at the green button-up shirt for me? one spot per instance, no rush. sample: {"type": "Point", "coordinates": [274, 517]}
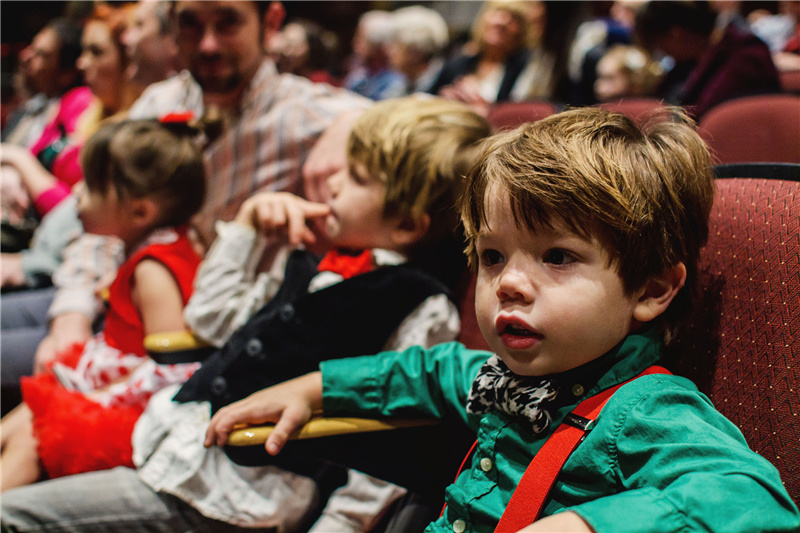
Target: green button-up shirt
{"type": "Point", "coordinates": [660, 458]}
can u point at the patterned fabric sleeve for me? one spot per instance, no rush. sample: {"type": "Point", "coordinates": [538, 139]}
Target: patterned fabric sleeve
{"type": "Point", "coordinates": [90, 262]}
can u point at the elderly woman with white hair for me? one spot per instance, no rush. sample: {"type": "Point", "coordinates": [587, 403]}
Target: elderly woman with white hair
{"type": "Point", "coordinates": [419, 36]}
{"type": "Point", "coordinates": [370, 74]}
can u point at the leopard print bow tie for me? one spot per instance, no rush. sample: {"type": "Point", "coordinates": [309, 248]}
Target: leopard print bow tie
{"type": "Point", "coordinates": [496, 388]}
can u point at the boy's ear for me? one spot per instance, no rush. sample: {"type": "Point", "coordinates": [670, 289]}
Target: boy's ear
{"type": "Point", "coordinates": [658, 293]}
{"type": "Point", "coordinates": [144, 212]}
{"type": "Point", "coordinates": [410, 230]}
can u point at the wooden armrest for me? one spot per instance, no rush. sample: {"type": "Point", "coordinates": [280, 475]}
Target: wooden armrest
{"type": "Point", "coordinates": [173, 347]}
{"type": "Point", "coordinates": [325, 427]}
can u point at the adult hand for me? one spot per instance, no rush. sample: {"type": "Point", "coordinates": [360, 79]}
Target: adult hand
{"type": "Point", "coordinates": [279, 214]}
{"type": "Point", "coordinates": [14, 199]}
{"type": "Point", "coordinates": [466, 90]}
{"type": "Point", "coordinates": [289, 404]}
{"type": "Point", "coordinates": [65, 331]}
{"type": "Point", "coordinates": [328, 156]}
{"type": "Point", "coordinates": [11, 270]}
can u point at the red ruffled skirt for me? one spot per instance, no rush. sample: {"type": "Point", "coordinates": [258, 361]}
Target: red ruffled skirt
{"type": "Point", "coordinates": [76, 434]}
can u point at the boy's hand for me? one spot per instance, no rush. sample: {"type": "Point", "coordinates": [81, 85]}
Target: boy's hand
{"type": "Point", "coordinates": [281, 214]}
{"type": "Point", "coordinates": [290, 405]}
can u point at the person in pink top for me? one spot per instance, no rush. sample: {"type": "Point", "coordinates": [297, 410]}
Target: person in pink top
{"type": "Point", "coordinates": [51, 167]}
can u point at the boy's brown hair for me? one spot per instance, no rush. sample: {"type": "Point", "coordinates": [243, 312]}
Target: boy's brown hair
{"type": "Point", "coordinates": [420, 149]}
{"type": "Point", "coordinates": [140, 158]}
{"type": "Point", "coordinates": [644, 192]}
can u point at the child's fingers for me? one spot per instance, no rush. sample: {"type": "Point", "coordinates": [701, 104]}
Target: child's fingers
{"type": "Point", "coordinates": [296, 221]}
{"type": "Point", "coordinates": [300, 212]}
{"type": "Point", "coordinates": [313, 209]}
{"type": "Point", "coordinates": [291, 420]}
{"type": "Point", "coordinates": [223, 422]}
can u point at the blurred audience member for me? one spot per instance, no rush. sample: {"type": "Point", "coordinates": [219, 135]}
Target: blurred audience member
{"type": "Point", "coordinates": [419, 36]}
{"type": "Point", "coordinates": [47, 68]}
{"type": "Point", "coordinates": [369, 73]}
{"type": "Point", "coordinates": [537, 80]}
{"type": "Point", "coordinates": [728, 12]}
{"type": "Point", "coordinates": [488, 69]}
{"type": "Point", "coordinates": [592, 40]}
{"type": "Point", "coordinates": [726, 64]}
{"type": "Point", "coordinates": [271, 123]}
{"type": "Point", "coordinates": [305, 48]}
{"type": "Point", "coordinates": [149, 44]}
{"type": "Point", "coordinates": [626, 71]}
{"type": "Point", "coordinates": [48, 179]}
{"type": "Point", "coordinates": [781, 32]}
{"type": "Point", "coordinates": [51, 167]}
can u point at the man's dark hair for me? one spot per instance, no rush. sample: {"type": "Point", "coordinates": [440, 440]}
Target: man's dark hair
{"type": "Point", "coordinates": [656, 18]}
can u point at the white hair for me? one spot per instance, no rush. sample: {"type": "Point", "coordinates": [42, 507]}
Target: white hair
{"type": "Point", "coordinates": [376, 26]}
{"type": "Point", "coordinates": [420, 28]}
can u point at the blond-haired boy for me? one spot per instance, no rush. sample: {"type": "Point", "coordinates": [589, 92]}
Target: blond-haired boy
{"type": "Point", "coordinates": [585, 231]}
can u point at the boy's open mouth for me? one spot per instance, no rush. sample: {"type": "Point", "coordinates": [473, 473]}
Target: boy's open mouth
{"type": "Point", "coordinates": [508, 326]}
{"type": "Point", "coordinates": [518, 331]}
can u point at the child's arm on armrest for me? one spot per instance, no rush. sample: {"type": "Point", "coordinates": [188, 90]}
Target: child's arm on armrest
{"type": "Point", "coordinates": [289, 404]}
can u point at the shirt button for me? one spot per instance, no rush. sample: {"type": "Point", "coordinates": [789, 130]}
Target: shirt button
{"type": "Point", "coordinates": [286, 312]}
{"type": "Point", "coordinates": [219, 385]}
{"type": "Point", "coordinates": [253, 347]}
{"type": "Point", "coordinates": [577, 390]}
{"type": "Point", "coordinates": [486, 464]}
{"type": "Point", "coordinates": [459, 526]}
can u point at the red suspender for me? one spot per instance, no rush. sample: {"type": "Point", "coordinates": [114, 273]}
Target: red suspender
{"type": "Point", "coordinates": [529, 497]}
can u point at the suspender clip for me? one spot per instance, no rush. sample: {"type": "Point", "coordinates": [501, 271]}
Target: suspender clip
{"type": "Point", "coordinates": [584, 424]}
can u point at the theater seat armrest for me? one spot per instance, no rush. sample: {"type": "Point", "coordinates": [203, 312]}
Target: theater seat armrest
{"type": "Point", "coordinates": [174, 347]}
{"type": "Point", "coordinates": [325, 427]}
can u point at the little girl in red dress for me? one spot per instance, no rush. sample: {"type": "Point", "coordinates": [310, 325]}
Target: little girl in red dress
{"type": "Point", "coordinates": [143, 181]}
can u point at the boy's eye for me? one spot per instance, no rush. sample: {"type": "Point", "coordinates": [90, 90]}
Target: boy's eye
{"type": "Point", "coordinates": [559, 257]}
{"type": "Point", "coordinates": [490, 257]}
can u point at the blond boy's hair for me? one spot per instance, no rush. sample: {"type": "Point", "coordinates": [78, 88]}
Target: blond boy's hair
{"type": "Point", "coordinates": [420, 149]}
{"type": "Point", "coordinates": [644, 192]}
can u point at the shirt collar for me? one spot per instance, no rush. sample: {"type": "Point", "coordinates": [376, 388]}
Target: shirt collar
{"type": "Point", "coordinates": [626, 360]}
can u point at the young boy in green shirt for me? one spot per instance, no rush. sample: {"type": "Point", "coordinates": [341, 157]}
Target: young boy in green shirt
{"type": "Point", "coordinates": [585, 230]}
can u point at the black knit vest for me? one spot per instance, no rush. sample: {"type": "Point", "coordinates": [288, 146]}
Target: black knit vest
{"type": "Point", "coordinates": [297, 330]}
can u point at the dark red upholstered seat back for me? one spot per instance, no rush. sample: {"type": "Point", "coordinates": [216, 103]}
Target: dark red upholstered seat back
{"type": "Point", "coordinates": [509, 115]}
{"type": "Point", "coordinates": [762, 128]}
{"type": "Point", "coordinates": [743, 345]}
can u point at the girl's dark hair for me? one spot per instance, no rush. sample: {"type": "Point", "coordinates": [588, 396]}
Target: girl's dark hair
{"type": "Point", "coordinates": [148, 158]}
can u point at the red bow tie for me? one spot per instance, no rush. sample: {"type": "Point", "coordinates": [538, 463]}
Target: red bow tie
{"type": "Point", "coordinates": [345, 264]}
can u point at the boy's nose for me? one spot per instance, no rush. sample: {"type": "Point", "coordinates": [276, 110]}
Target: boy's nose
{"type": "Point", "coordinates": [335, 182]}
{"type": "Point", "coordinates": [514, 285]}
